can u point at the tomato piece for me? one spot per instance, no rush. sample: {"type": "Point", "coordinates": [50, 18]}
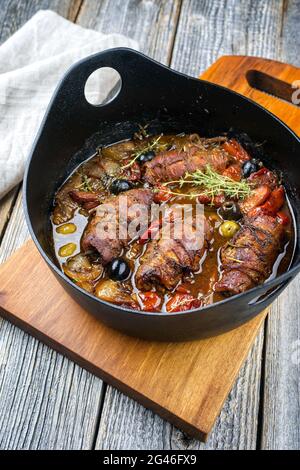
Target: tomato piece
{"type": "Point", "coordinates": [161, 194]}
{"type": "Point", "coordinates": [150, 232]}
{"type": "Point", "coordinates": [233, 172]}
{"type": "Point", "coordinates": [272, 204]}
{"type": "Point", "coordinates": [275, 201]}
{"type": "Point", "coordinates": [181, 302]}
{"type": "Point", "coordinates": [203, 199]}
{"type": "Point", "coordinates": [283, 218]}
{"type": "Point", "coordinates": [217, 201]}
{"type": "Point", "coordinates": [234, 148]}
{"type": "Point", "coordinates": [256, 198]}
{"type": "Point", "coordinates": [182, 289]}
{"type": "Point", "coordinates": [151, 301]}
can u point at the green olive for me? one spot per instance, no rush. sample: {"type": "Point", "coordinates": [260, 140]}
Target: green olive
{"type": "Point", "coordinates": [229, 228]}
{"type": "Point", "coordinates": [67, 250]}
{"type": "Point", "coordinates": [65, 229]}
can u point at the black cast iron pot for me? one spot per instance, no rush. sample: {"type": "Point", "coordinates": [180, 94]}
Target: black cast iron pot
{"type": "Point", "coordinates": [173, 102]}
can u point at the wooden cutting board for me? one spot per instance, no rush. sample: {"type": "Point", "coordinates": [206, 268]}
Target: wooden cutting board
{"type": "Point", "coordinates": [185, 383]}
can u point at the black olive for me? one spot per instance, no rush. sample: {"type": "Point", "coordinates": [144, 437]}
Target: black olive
{"type": "Point", "coordinates": [250, 166]}
{"type": "Point", "coordinates": [119, 186]}
{"type": "Point", "coordinates": [230, 211]}
{"type": "Point", "coordinates": [118, 270]}
{"type": "Point", "coordinates": [146, 157]}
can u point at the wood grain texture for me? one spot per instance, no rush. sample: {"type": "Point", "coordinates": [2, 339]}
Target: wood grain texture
{"type": "Point", "coordinates": [209, 29]}
{"type": "Point", "coordinates": [290, 33]}
{"type": "Point", "coordinates": [14, 13]}
{"type": "Point", "coordinates": [152, 23]}
{"type": "Point", "coordinates": [206, 30]}
{"type": "Point", "coordinates": [281, 415]}
{"type": "Point", "coordinates": [186, 383]}
{"type": "Point", "coordinates": [46, 401]}
{"type": "Point", "coordinates": [127, 425]}
{"type": "Point", "coordinates": [63, 407]}
{"type": "Point", "coordinates": [6, 206]}
{"type": "Point", "coordinates": [281, 406]}
{"type": "Point", "coordinates": [49, 401]}
{"type": "Point", "coordinates": [232, 72]}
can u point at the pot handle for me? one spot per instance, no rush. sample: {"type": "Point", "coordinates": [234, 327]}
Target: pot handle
{"type": "Point", "coordinates": [134, 68]}
{"type": "Point", "coordinates": [263, 294]}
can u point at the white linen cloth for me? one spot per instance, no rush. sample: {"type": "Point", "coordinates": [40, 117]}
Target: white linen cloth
{"type": "Point", "coordinates": [32, 61]}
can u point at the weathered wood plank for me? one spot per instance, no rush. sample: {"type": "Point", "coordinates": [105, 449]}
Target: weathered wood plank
{"type": "Point", "coordinates": [281, 411]}
{"type": "Point", "coordinates": [206, 30]}
{"type": "Point", "coordinates": [290, 33]}
{"type": "Point", "coordinates": [46, 401]}
{"type": "Point", "coordinates": [210, 29]}
{"type": "Point", "coordinates": [126, 425]}
{"type": "Point", "coordinates": [151, 23]}
{"type": "Point", "coordinates": [6, 206]}
{"type": "Point", "coordinates": [14, 13]}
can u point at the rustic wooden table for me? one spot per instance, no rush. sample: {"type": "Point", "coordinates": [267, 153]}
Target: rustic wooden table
{"type": "Point", "coordinates": [46, 401]}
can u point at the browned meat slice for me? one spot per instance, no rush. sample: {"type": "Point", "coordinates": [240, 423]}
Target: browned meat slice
{"type": "Point", "coordinates": [167, 259]}
{"type": "Point", "coordinates": [64, 204]}
{"type": "Point", "coordinates": [119, 151]}
{"type": "Point", "coordinates": [249, 257]}
{"type": "Point", "coordinates": [94, 177]}
{"type": "Point", "coordinates": [104, 234]}
{"type": "Point", "coordinates": [173, 164]}
{"type": "Point", "coordinates": [263, 177]}
{"type": "Point", "coordinates": [91, 175]}
{"type": "Point", "coordinates": [87, 199]}
{"type": "Point", "coordinates": [234, 281]}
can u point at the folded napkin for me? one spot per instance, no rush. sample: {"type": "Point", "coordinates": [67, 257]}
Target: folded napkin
{"type": "Point", "coordinates": [32, 61]}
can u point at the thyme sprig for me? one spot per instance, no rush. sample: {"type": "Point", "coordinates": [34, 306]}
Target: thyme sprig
{"type": "Point", "coordinates": [142, 133]}
{"type": "Point", "coordinates": [86, 184]}
{"type": "Point", "coordinates": [154, 145]}
{"type": "Point", "coordinates": [213, 184]}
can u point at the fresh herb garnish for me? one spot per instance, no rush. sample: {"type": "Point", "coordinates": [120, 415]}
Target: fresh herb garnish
{"type": "Point", "coordinates": [214, 184]}
{"type": "Point", "coordinates": [142, 133]}
{"type": "Point", "coordinates": [86, 184]}
{"type": "Point", "coordinates": [235, 259]}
